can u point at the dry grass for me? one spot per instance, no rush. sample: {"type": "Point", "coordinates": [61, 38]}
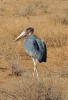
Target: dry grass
{"type": "Point", "coordinates": [49, 89]}
{"type": "Point", "coordinates": [50, 20]}
{"type": "Point", "coordinates": [57, 40]}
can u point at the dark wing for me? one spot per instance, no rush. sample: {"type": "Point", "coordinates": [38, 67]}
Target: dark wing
{"type": "Point", "coordinates": [42, 56]}
{"type": "Point", "coordinates": [36, 46]}
{"type": "Point", "coordinates": [41, 44]}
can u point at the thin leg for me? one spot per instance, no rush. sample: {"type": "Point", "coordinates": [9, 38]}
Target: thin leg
{"type": "Point", "coordinates": [35, 68]}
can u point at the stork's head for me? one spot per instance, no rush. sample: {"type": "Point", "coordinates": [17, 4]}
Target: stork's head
{"type": "Point", "coordinates": [28, 31]}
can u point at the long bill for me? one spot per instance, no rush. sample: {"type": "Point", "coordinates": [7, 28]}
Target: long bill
{"type": "Point", "coordinates": [21, 35]}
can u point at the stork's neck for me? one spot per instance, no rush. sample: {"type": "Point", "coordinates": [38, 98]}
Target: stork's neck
{"type": "Point", "coordinates": [29, 34]}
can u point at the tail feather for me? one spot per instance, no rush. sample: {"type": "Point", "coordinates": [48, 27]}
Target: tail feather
{"type": "Point", "coordinates": [44, 55]}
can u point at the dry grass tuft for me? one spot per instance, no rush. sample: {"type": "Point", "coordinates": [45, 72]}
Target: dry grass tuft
{"type": "Point", "coordinates": [57, 19]}
{"type": "Point", "coordinates": [57, 40]}
{"type": "Point", "coordinates": [25, 11]}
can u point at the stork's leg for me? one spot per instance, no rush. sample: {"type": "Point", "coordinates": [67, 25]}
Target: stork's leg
{"type": "Point", "coordinates": [34, 65]}
{"type": "Point", "coordinates": [35, 68]}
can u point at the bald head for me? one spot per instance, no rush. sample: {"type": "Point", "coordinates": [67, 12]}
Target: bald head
{"type": "Point", "coordinates": [30, 30]}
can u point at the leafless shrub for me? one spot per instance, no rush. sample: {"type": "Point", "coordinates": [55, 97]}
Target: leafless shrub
{"type": "Point", "coordinates": [15, 65]}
